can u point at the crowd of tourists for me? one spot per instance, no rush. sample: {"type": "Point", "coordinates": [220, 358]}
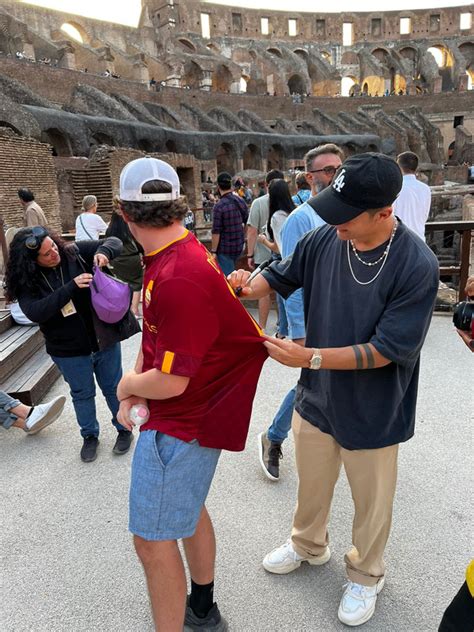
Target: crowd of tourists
{"type": "Point", "coordinates": [356, 286]}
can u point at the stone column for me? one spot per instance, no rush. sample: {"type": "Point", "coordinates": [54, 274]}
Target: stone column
{"type": "Point", "coordinates": [29, 51]}
{"type": "Point", "coordinates": [68, 60]}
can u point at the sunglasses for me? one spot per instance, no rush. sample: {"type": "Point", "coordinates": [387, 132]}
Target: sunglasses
{"type": "Point", "coordinates": [329, 171]}
{"type": "Point", "coordinates": [34, 241]}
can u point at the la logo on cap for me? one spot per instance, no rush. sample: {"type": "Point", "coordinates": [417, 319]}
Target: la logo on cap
{"type": "Point", "coordinates": [339, 182]}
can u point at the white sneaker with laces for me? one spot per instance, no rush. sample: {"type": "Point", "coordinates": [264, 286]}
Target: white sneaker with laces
{"type": "Point", "coordinates": [44, 414]}
{"type": "Point", "coordinates": [285, 559]}
{"type": "Point", "coordinates": [358, 602]}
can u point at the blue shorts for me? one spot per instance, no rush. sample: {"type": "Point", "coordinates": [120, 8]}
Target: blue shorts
{"type": "Point", "coordinates": [169, 486]}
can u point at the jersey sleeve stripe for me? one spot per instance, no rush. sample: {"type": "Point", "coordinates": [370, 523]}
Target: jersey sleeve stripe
{"type": "Point", "coordinates": [167, 362]}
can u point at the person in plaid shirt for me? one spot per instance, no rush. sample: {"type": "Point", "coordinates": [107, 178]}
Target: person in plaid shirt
{"type": "Point", "coordinates": [228, 221]}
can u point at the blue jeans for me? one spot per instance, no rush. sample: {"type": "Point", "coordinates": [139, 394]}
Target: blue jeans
{"type": "Point", "coordinates": [282, 319]}
{"type": "Point", "coordinates": [226, 263]}
{"type": "Point", "coordinates": [281, 424]}
{"type": "Point", "coordinates": [78, 372]}
{"type": "Point", "coordinates": [7, 418]}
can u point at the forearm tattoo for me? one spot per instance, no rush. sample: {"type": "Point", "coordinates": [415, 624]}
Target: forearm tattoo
{"type": "Point", "coordinates": [370, 356]}
{"type": "Point", "coordinates": [358, 357]}
{"type": "Point", "coordinates": [363, 363]}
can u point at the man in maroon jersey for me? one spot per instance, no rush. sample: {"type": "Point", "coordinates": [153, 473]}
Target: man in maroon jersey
{"type": "Point", "coordinates": [197, 371]}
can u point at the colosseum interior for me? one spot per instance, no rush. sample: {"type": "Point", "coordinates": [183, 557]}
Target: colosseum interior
{"type": "Point", "coordinates": [217, 87]}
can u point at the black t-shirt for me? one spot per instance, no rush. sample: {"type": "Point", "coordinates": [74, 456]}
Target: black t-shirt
{"type": "Point", "coordinates": [373, 408]}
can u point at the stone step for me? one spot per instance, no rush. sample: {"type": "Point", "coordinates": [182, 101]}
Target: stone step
{"type": "Point", "coordinates": [17, 345]}
{"type": "Point", "coordinates": [33, 379]}
{"type": "Point", "coordinates": [6, 321]}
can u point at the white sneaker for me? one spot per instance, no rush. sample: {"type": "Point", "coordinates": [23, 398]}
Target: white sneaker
{"type": "Point", "coordinates": [358, 602]}
{"type": "Point", "coordinates": [285, 559]}
{"type": "Point", "coordinates": [44, 414]}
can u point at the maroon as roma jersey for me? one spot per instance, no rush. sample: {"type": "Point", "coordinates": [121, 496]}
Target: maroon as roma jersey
{"type": "Point", "coordinates": [195, 326]}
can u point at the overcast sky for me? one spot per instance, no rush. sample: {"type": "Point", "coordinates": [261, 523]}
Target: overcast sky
{"type": "Point", "coordinates": [128, 11]}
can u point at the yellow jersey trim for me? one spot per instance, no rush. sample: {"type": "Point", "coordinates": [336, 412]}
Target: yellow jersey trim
{"type": "Point", "coordinates": [155, 252]}
{"type": "Point", "coordinates": [167, 362]}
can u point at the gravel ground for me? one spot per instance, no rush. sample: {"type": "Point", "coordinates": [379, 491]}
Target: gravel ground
{"type": "Point", "coordinates": [67, 563]}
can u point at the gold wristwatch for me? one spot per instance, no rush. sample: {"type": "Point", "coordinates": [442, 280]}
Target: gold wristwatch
{"type": "Point", "coordinates": [316, 359]}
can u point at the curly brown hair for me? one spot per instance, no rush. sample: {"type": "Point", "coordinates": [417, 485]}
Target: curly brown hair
{"type": "Point", "coordinates": [156, 214]}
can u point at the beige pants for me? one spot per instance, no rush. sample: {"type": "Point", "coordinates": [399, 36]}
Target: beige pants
{"type": "Point", "coordinates": [372, 476]}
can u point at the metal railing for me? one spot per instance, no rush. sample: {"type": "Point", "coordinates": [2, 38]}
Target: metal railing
{"type": "Point", "coordinates": [461, 269]}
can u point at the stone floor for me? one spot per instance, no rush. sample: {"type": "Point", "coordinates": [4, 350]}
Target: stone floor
{"type": "Point", "coordinates": [67, 563]}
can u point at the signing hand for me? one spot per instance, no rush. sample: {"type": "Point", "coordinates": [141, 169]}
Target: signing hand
{"type": "Point", "coordinates": [83, 280]}
{"type": "Point", "coordinates": [123, 415]}
{"type": "Point", "coordinates": [288, 352]}
{"type": "Point", "coordinates": [100, 260]}
{"type": "Point", "coordinates": [238, 279]}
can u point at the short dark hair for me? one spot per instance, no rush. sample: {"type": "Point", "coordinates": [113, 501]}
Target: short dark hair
{"type": "Point", "coordinates": [26, 194]}
{"type": "Point", "coordinates": [301, 182]}
{"type": "Point", "coordinates": [408, 161]}
{"type": "Point", "coordinates": [224, 180]}
{"type": "Point", "coordinates": [155, 214]}
{"type": "Point", "coordinates": [274, 174]}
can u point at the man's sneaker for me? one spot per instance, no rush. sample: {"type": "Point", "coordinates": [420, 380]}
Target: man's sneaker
{"type": "Point", "coordinates": [123, 443]}
{"type": "Point", "coordinates": [358, 602]}
{"type": "Point", "coordinates": [212, 622]}
{"type": "Point", "coordinates": [89, 449]}
{"type": "Point", "coordinates": [285, 559]}
{"type": "Point", "coordinates": [269, 453]}
{"type": "Point", "coordinates": [44, 414]}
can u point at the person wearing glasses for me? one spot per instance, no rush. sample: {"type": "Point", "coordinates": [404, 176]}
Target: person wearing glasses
{"type": "Point", "coordinates": [50, 279]}
{"type": "Point", "coordinates": [321, 164]}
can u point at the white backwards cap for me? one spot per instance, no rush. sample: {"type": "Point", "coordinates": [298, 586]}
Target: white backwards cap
{"type": "Point", "coordinates": [138, 172]}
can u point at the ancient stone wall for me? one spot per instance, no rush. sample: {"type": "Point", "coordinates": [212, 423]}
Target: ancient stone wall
{"type": "Point", "coordinates": [25, 162]}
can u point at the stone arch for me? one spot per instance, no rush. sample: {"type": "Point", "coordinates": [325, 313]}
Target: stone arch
{"type": "Point", "coordinates": [75, 30]}
{"type": "Point", "coordinates": [467, 51]}
{"type": "Point", "coordinates": [252, 157]}
{"type": "Point", "coordinates": [244, 82]}
{"type": "Point", "coordinates": [301, 53]}
{"type": "Point", "coordinates": [275, 51]}
{"type": "Point", "coordinates": [226, 159]}
{"type": "Point", "coordinates": [10, 126]}
{"type": "Point", "coordinates": [382, 55]}
{"type": "Point", "coordinates": [350, 58]}
{"type": "Point", "coordinates": [171, 147]}
{"type": "Point", "coordinates": [276, 157]}
{"type": "Point", "coordinates": [213, 47]}
{"type": "Point", "coordinates": [296, 84]}
{"type": "Point", "coordinates": [101, 138]}
{"type": "Point", "coordinates": [445, 62]}
{"type": "Point", "coordinates": [221, 79]}
{"type": "Point", "coordinates": [347, 85]}
{"type": "Point", "coordinates": [408, 52]}
{"type": "Point", "coordinates": [58, 140]}
{"type": "Point", "coordinates": [187, 45]}
{"type": "Point", "coordinates": [146, 145]}
{"type": "Point", "coordinates": [192, 75]}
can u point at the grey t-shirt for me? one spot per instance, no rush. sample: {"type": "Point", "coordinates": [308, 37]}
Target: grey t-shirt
{"type": "Point", "coordinates": [373, 408]}
{"type": "Point", "coordinates": [258, 218]}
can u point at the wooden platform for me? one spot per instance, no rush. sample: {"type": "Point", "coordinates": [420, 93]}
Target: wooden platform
{"type": "Point", "coordinates": [26, 370]}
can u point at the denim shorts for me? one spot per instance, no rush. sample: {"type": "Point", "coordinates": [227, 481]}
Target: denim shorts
{"type": "Point", "coordinates": [169, 485]}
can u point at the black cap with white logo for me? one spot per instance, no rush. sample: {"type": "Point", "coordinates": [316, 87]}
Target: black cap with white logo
{"type": "Point", "coordinates": [363, 182]}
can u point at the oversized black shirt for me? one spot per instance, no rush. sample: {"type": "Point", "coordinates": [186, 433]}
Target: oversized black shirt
{"type": "Point", "coordinates": [373, 408]}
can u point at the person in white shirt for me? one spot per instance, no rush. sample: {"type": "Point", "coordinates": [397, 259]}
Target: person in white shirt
{"type": "Point", "coordinates": [88, 224]}
{"type": "Point", "coordinates": [413, 203]}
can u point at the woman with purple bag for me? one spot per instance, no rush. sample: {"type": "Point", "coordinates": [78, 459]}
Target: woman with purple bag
{"type": "Point", "coordinates": [51, 281]}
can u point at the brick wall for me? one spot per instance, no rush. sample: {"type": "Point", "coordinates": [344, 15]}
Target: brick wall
{"type": "Point", "coordinates": [27, 163]}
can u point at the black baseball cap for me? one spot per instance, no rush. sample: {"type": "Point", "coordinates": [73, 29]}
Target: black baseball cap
{"type": "Point", "coordinates": [224, 180]}
{"type": "Point", "coordinates": [362, 182]}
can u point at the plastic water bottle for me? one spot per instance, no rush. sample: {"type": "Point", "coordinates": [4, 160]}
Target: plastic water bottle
{"type": "Point", "coordinates": [139, 414]}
